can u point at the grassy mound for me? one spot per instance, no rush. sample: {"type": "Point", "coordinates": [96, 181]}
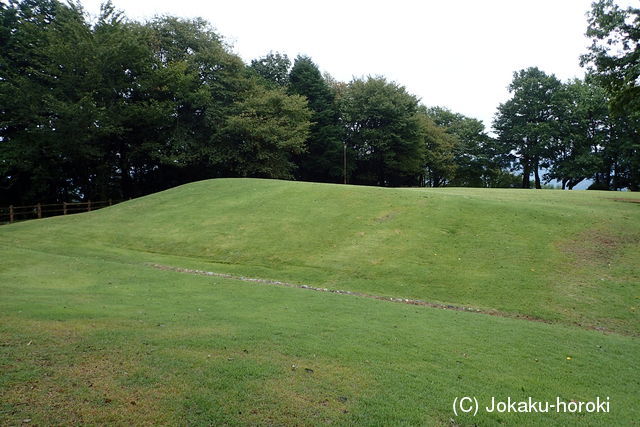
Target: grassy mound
{"type": "Point", "coordinates": [90, 333]}
{"type": "Point", "coordinates": [570, 257]}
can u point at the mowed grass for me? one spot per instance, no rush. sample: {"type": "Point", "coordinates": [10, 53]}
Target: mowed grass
{"type": "Point", "coordinates": [91, 334]}
{"type": "Point", "coordinates": [570, 257]}
{"type": "Point", "coordinates": [87, 341]}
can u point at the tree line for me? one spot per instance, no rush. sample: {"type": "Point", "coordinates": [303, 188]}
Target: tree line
{"type": "Point", "coordinates": [115, 108]}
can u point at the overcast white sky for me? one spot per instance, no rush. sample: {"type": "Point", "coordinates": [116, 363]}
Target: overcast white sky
{"type": "Point", "coordinates": [458, 54]}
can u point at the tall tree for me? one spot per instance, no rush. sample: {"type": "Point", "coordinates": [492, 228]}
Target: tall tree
{"type": "Point", "coordinates": [266, 130]}
{"type": "Point", "coordinates": [439, 166]}
{"type": "Point", "coordinates": [619, 156]}
{"type": "Point", "coordinates": [134, 107]}
{"type": "Point", "coordinates": [527, 123]}
{"type": "Point", "coordinates": [322, 161]}
{"type": "Point", "coordinates": [204, 81]}
{"type": "Point", "coordinates": [583, 132]}
{"type": "Point", "coordinates": [383, 133]}
{"type": "Point", "coordinates": [119, 109]}
{"type": "Point", "coordinates": [477, 159]}
{"type": "Point", "coordinates": [47, 112]}
{"type": "Point", "coordinates": [613, 60]}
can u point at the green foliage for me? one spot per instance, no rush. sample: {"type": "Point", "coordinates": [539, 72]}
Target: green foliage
{"type": "Point", "coordinates": [117, 108]}
{"type": "Point", "coordinates": [439, 148]}
{"type": "Point", "coordinates": [202, 81]}
{"type": "Point", "coordinates": [526, 124]}
{"type": "Point", "coordinates": [42, 96]}
{"type": "Point", "coordinates": [477, 159]}
{"type": "Point", "coordinates": [614, 53]}
{"type": "Point", "coordinates": [323, 159]}
{"type": "Point", "coordinates": [613, 60]}
{"type": "Point", "coordinates": [384, 136]}
{"type": "Point", "coordinates": [567, 129]}
{"type": "Point", "coordinates": [273, 68]}
{"type": "Point", "coordinates": [583, 133]}
{"type": "Point", "coordinates": [263, 133]}
{"type": "Point", "coordinates": [501, 178]}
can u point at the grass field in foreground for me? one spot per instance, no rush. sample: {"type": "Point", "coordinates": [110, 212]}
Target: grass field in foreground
{"type": "Point", "coordinates": [89, 333]}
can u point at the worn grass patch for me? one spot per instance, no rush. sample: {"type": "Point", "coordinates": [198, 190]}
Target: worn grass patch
{"type": "Point", "coordinates": [627, 200]}
{"type": "Point", "coordinates": [598, 247]}
{"type": "Point", "coordinates": [599, 288]}
{"type": "Point", "coordinates": [57, 377]}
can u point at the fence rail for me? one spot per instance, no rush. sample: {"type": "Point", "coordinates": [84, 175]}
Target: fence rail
{"type": "Point", "coordinates": [9, 214]}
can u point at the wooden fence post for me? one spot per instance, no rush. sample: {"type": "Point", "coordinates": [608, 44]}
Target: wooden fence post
{"type": "Point", "coordinates": [37, 209]}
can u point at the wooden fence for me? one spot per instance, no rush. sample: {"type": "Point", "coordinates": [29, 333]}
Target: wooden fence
{"type": "Point", "coordinates": [12, 213]}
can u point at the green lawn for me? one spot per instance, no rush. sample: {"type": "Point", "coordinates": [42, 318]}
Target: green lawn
{"type": "Point", "coordinates": [90, 333]}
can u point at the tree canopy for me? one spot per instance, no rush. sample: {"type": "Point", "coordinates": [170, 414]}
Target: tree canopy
{"type": "Point", "coordinates": [612, 61]}
{"type": "Point", "coordinates": [527, 122]}
{"type": "Point", "coordinates": [119, 109]}
{"type": "Point", "coordinates": [114, 108]}
{"type": "Point", "coordinates": [322, 161]}
{"type": "Point", "coordinates": [383, 133]}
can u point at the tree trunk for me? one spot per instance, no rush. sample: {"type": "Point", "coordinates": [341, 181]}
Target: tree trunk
{"type": "Point", "coordinates": [536, 173]}
{"type": "Point", "coordinates": [606, 177]}
{"type": "Point", "coordinates": [614, 178]}
{"type": "Point", "coordinates": [575, 182]}
{"type": "Point", "coordinates": [125, 180]}
{"type": "Point", "coordinates": [526, 173]}
{"type": "Point", "coordinates": [634, 182]}
{"type": "Point", "coordinates": [381, 182]}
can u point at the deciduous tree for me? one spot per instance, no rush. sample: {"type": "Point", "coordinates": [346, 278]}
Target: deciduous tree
{"type": "Point", "coordinates": [527, 123]}
{"type": "Point", "coordinates": [383, 132]}
{"type": "Point", "coordinates": [583, 132]}
{"type": "Point", "coordinates": [612, 60]}
{"type": "Point", "coordinates": [265, 131]}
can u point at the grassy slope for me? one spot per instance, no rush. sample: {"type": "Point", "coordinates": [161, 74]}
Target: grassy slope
{"type": "Point", "coordinates": [89, 333]}
{"type": "Point", "coordinates": [560, 256]}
